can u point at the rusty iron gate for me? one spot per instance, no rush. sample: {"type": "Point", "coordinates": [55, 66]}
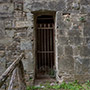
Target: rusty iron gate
{"type": "Point", "coordinates": [45, 44]}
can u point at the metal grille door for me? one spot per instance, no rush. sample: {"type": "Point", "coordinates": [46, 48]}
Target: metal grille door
{"type": "Point", "coordinates": [45, 45]}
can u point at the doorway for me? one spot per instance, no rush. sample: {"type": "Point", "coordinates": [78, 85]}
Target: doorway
{"type": "Point", "coordinates": [45, 62]}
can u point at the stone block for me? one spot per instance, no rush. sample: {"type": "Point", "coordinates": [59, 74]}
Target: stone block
{"type": "Point", "coordinates": [71, 40]}
{"type": "Point", "coordinates": [82, 78]}
{"type": "Point", "coordinates": [10, 33]}
{"type": "Point", "coordinates": [85, 51]}
{"type": "Point", "coordinates": [66, 65]}
{"type": "Point", "coordinates": [37, 6]}
{"type": "Point", "coordinates": [87, 39]}
{"type": "Point", "coordinates": [69, 4]}
{"type": "Point", "coordinates": [73, 6]}
{"type": "Point", "coordinates": [87, 29]}
{"type": "Point", "coordinates": [2, 47]}
{"type": "Point", "coordinates": [2, 30]}
{"type": "Point", "coordinates": [85, 9]}
{"type": "Point", "coordinates": [21, 24]}
{"type": "Point", "coordinates": [68, 50]}
{"type": "Point", "coordinates": [21, 32]}
{"type": "Point", "coordinates": [76, 51]}
{"type": "Point", "coordinates": [75, 40]}
{"type": "Point", "coordinates": [27, 5]}
{"type": "Point", "coordinates": [82, 66]}
{"type": "Point", "coordinates": [60, 50]}
{"type": "Point", "coordinates": [57, 5]}
{"type": "Point", "coordinates": [2, 53]}
{"type": "Point", "coordinates": [88, 42]}
{"type": "Point", "coordinates": [52, 5]}
{"type": "Point", "coordinates": [18, 5]}
{"type": "Point", "coordinates": [28, 62]}
{"type": "Point", "coordinates": [26, 45]}
{"type": "Point", "coordinates": [6, 8]}
{"type": "Point", "coordinates": [85, 2]}
{"type": "Point", "coordinates": [4, 1]}
{"type": "Point", "coordinates": [17, 1]}
{"type": "Point", "coordinates": [2, 65]}
{"type": "Point", "coordinates": [88, 17]}
{"type": "Point", "coordinates": [60, 25]}
{"type": "Point", "coordinates": [62, 33]}
{"type": "Point", "coordinates": [69, 78]}
{"type": "Point", "coordinates": [8, 24]}
{"type": "Point", "coordinates": [78, 40]}
{"type": "Point", "coordinates": [66, 78]}
{"type": "Point", "coordinates": [60, 5]}
{"type": "Point", "coordinates": [63, 40]}
{"type": "Point", "coordinates": [30, 16]}
{"type": "Point", "coordinates": [6, 41]}
{"type": "Point", "coordinates": [4, 16]}
{"type": "Point", "coordinates": [74, 33]}
{"type": "Point", "coordinates": [28, 65]}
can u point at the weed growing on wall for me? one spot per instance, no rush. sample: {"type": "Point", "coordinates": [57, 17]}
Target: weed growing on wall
{"type": "Point", "coordinates": [64, 86]}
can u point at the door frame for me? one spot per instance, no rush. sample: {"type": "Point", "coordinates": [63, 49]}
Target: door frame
{"type": "Point", "coordinates": [36, 14]}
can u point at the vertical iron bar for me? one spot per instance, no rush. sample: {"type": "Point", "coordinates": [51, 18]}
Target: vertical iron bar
{"type": "Point", "coordinates": [37, 48]}
{"type": "Point", "coordinates": [52, 46]}
{"type": "Point", "coordinates": [41, 45]}
{"type": "Point", "coordinates": [49, 49]}
{"type": "Point", "coordinates": [40, 48]}
{"type": "Point", "coordinates": [45, 45]}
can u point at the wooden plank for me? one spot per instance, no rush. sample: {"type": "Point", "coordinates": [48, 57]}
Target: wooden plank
{"type": "Point", "coordinates": [13, 77]}
{"type": "Point", "coordinates": [9, 70]}
{"type": "Point", "coordinates": [21, 79]}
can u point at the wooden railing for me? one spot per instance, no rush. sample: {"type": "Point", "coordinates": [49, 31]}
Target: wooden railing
{"type": "Point", "coordinates": [15, 68]}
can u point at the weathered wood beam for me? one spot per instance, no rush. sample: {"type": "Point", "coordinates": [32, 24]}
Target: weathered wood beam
{"type": "Point", "coordinates": [21, 77]}
{"type": "Point", "coordinates": [13, 77]}
{"type": "Point", "coordinates": [10, 69]}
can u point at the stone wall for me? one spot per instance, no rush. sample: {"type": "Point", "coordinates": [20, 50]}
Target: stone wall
{"type": "Point", "coordinates": [72, 36]}
{"type": "Point", "coordinates": [16, 35]}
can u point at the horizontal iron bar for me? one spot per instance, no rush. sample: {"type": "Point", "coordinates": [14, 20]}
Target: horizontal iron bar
{"type": "Point", "coordinates": [45, 51]}
{"type": "Point", "coordinates": [45, 28]}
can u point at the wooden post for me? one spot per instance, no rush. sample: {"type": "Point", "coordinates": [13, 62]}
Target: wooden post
{"type": "Point", "coordinates": [13, 77]}
{"type": "Point", "coordinates": [21, 79]}
{"type": "Point", "coordinates": [10, 69]}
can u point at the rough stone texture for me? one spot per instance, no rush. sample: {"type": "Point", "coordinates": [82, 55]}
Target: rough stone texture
{"type": "Point", "coordinates": [72, 35]}
{"type": "Point", "coordinates": [66, 65]}
{"type": "Point", "coordinates": [6, 8]}
{"type": "Point", "coordinates": [2, 64]}
{"type": "Point", "coordinates": [87, 29]}
{"type": "Point", "coordinates": [2, 31]}
{"type": "Point", "coordinates": [82, 66]}
{"type": "Point", "coordinates": [26, 45]}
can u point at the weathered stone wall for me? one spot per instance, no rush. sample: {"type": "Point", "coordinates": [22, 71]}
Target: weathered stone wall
{"type": "Point", "coordinates": [72, 36]}
{"type": "Point", "coordinates": [16, 35]}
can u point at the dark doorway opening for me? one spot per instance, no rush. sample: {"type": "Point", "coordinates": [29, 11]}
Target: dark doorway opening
{"type": "Point", "coordinates": [45, 45]}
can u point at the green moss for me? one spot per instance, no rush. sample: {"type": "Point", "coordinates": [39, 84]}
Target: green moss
{"type": "Point", "coordinates": [68, 19]}
{"type": "Point", "coordinates": [82, 19]}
